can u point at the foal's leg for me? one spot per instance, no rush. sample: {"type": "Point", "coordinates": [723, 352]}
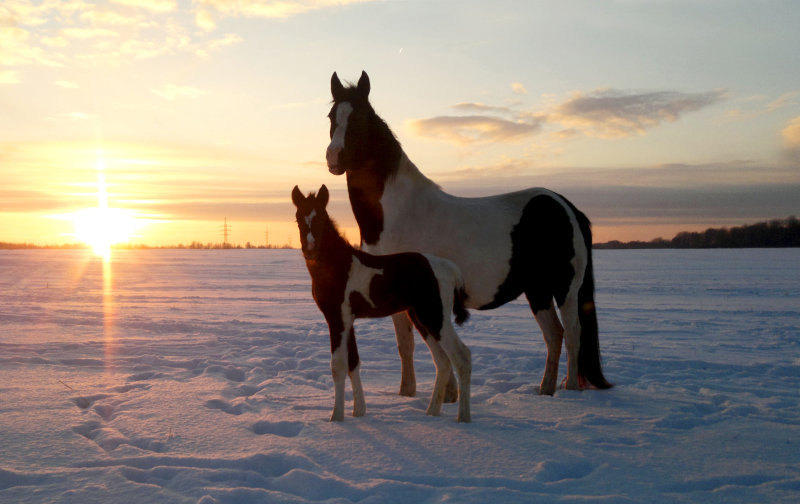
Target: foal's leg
{"type": "Point", "coordinates": [339, 371]}
{"type": "Point", "coordinates": [404, 331]}
{"type": "Point", "coordinates": [461, 360]}
{"type": "Point", "coordinates": [443, 370]}
{"type": "Point", "coordinates": [359, 405]}
{"type": "Point", "coordinates": [553, 334]}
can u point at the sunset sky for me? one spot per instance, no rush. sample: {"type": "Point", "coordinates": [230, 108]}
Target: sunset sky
{"type": "Point", "coordinates": [652, 116]}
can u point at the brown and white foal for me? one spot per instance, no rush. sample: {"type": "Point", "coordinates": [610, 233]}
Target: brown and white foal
{"type": "Point", "coordinates": [348, 284]}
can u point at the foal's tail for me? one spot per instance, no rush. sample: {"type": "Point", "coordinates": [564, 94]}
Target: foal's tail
{"type": "Point", "coordinates": [589, 366]}
{"type": "Point", "coordinates": [459, 299]}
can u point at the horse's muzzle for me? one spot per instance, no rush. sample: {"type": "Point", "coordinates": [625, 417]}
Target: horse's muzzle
{"type": "Point", "coordinates": [332, 157]}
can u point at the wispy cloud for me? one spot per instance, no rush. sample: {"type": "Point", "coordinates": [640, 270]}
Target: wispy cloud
{"type": "Point", "coordinates": [518, 88]}
{"type": "Point", "coordinates": [604, 113]}
{"type": "Point", "coordinates": [270, 8]}
{"type": "Point", "coordinates": [66, 84]}
{"type": "Point", "coordinates": [150, 5]}
{"type": "Point", "coordinates": [612, 113]}
{"type": "Point", "coordinates": [475, 128]}
{"type": "Point", "coordinates": [9, 77]}
{"type": "Point", "coordinates": [791, 139]}
{"type": "Point", "coordinates": [175, 92]}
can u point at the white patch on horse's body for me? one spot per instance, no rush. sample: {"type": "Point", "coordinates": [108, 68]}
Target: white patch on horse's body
{"type": "Point", "coordinates": [343, 112]}
{"type": "Point", "coordinates": [481, 242]}
{"type": "Point", "coordinates": [358, 280]}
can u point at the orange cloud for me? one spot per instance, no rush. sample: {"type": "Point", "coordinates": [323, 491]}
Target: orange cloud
{"type": "Point", "coordinates": [470, 129]}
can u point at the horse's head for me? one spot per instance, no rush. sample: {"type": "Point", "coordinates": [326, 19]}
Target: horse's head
{"type": "Point", "coordinates": [350, 118]}
{"type": "Point", "coordinates": [312, 216]}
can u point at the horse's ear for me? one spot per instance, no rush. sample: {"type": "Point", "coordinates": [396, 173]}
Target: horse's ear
{"type": "Point", "coordinates": [336, 87]}
{"type": "Point", "coordinates": [297, 197]}
{"type": "Point", "coordinates": [363, 85]}
{"type": "Point", "coordinates": [323, 196]}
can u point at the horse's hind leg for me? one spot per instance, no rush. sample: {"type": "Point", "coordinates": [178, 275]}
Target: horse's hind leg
{"type": "Point", "coordinates": [572, 336]}
{"type": "Point", "coordinates": [553, 334]}
{"type": "Point", "coordinates": [404, 331]}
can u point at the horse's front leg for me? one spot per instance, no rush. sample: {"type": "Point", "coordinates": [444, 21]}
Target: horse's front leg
{"type": "Point", "coordinates": [339, 369]}
{"type": "Point", "coordinates": [404, 331]}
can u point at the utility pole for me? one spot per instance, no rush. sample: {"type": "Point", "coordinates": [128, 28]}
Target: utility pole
{"type": "Point", "coordinates": [225, 229]}
{"type": "Point", "coordinates": [267, 236]}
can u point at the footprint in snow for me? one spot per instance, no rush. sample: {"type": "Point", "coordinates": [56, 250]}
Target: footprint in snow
{"type": "Point", "coordinates": [283, 429]}
{"type": "Point", "coordinates": [231, 409]}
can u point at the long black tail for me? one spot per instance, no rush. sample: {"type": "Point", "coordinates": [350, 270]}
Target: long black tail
{"type": "Point", "coordinates": [459, 298]}
{"type": "Point", "coordinates": [589, 366]}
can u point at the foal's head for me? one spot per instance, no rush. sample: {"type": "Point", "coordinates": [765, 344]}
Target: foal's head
{"type": "Point", "coordinates": [350, 123]}
{"type": "Point", "coordinates": [312, 219]}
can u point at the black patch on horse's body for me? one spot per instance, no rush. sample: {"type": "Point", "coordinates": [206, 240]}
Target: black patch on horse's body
{"type": "Point", "coordinates": [540, 256]}
{"type": "Point", "coordinates": [407, 283]}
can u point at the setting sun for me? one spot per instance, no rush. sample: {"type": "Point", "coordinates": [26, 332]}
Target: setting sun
{"type": "Point", "coordinates": [100, 228]}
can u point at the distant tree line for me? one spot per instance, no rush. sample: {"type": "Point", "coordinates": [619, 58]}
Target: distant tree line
{"type": "Point", "coordinates": [195, 245]}
{"type": "Point", "coordinates": [774, 233]}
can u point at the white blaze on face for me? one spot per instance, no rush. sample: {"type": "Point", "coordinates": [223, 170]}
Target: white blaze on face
{"type": "Point", "coordinates": [343, 111]}
{"type": "Point", "coordinates": [310, 243]}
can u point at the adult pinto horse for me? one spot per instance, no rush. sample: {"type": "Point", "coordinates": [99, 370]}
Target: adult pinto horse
{"type": "Point", "coordinates": [532, 241]}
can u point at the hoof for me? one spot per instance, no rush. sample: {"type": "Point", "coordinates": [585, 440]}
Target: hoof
{"type": "Point", "coordinates": [451, 392]}
{"type": "Point", "coordinates": [408, 391]}
{"type": "Point", "coordinates": [547, 389]}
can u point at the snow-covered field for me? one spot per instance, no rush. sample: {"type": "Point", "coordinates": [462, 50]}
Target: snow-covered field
{"type": "Point", "coordinates": [203, 377]}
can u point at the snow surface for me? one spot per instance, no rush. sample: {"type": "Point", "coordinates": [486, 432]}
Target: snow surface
{"type": "Point", "coordinates": [203, 377]}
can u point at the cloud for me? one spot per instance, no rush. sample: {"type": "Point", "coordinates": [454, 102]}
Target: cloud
{"type": "Point", "coordinates": [518, 88]}
{"type": "Point", "coordinates": [150, 5]}
{"type": "Point", "coordinates": [9, 77]}
{"type": "Point", "coordinates": [791, 139]}
{"type": "Point", "coordinates": [791, 133]}
{"type": "Point", "coordinates": [70, 116]}
{"type": "Point", "coordinates": [66, 84]}
{"type": "Point", "coordinates": [272, 8]}
{"type": "Point", "coordinates": [175, 92]}
{"type": "Point", "coordinates": [605, 113]}
{"type": "Point", "coordinates": [783, 100]}
{"type": "Point", "coordinates": [612, 113]}
{"type": "Point", "coordinates": [205, 20]}
{"type": "Point", "coordinates": [470, 129]}
{"type": "Point", "coordinates": [88, 33]}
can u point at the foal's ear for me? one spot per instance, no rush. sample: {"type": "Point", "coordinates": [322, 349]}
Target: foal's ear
{"type": "Point", "coordinates": [297, 196]}
{"type": "Point", "coordinates": [336, 87]}
{"type": "Point", "coordinates": [363, 85]}
{"type": "Point", "coordinates": [323, 196]}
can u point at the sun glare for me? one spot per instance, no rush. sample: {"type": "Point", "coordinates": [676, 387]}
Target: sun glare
{"type": "Point", "coordinates": [100, 228]}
